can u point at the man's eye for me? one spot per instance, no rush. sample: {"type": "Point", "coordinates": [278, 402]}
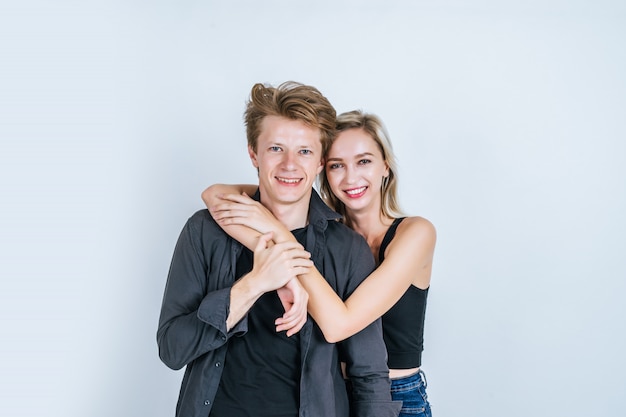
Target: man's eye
{"type": "Point", "coordinates": [306, 151]}
{"type": "Point", "coordinates": [275, 148]}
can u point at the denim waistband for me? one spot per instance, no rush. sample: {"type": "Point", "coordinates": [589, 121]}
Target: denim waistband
{"type": "Point", "coordinates": [419, 376]}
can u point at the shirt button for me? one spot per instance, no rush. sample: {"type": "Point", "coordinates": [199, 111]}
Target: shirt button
{"type": "Point", "coordinates": [223, 337]}
{"type": "Point", "coordinates": [218, 364]}
{"type": "Point", "coordinates": [207, 402]}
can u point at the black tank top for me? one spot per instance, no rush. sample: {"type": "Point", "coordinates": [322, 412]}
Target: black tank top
{"type": "Point", "coordinates": [403, 324]}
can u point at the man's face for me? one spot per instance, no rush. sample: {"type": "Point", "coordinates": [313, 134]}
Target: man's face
{"type": "Point", "coordinates": [288, 157]}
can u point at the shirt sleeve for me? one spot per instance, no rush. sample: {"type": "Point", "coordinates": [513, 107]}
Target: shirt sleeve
{"type": "Point", "coordinates": [365, 354]}
{"type": "Point", "coordinates": [193, 316]}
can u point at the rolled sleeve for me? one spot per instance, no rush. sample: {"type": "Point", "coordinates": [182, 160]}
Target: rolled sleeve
{"type": "Point", "coordinates": [214, 311]}
{"type": "Point", "coordinates": [366, 367]}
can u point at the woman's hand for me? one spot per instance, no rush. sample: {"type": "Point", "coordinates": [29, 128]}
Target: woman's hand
{"type": "Point", "coordinates": [239, 209]}
{"type": "Point", "coordinates": [294, 299]}
{"type": "Point", "coordinates": [243, 219]}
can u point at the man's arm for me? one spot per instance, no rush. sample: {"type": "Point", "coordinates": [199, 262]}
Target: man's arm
{"type": "Point", "coordinates": [198, 315]}
{"type": "Point", "coordinates": [189, 303]}
{"type": "Point", "coordinates": [285, 260]}
{"type": "Point", "coordinates": [365, 352]}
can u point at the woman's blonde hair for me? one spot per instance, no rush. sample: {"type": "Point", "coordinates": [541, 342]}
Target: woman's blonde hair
{"type": "Point", "coordinates": [373, 126]}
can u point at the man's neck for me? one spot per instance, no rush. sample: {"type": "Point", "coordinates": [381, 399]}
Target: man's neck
{"type": "Point", "coordinates": [293, 216]}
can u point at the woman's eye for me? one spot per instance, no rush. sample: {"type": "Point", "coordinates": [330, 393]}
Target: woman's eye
{"type": "Point", "coordinates": [364, 161]}
{"type": "Point", "coordinates": [334, 166]}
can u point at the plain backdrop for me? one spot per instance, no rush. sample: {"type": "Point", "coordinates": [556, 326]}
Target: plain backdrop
{"type": "Point", "coordinates": [508, 120]}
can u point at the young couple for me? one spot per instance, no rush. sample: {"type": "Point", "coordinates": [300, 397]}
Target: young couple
{"type": "Point", "coordinates": [299, 258]}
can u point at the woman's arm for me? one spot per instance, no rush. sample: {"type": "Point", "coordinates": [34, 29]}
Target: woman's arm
{"type": "Point", "coordinates": [293, 296]}
{"type": "Point", "coordinates": [408, 261]}
{"type": "Point", "coordinates": [212, 198]}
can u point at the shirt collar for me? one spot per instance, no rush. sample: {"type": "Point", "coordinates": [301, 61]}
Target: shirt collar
{"type": "Point", "coordinates": [319, 213]}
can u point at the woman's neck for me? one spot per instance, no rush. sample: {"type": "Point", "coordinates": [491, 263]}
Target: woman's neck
{"type": "Point", "coordinates": [372, 225]}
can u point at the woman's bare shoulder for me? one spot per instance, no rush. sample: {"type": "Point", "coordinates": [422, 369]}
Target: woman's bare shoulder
{"type": "Point", "coordinates": [417, 227]}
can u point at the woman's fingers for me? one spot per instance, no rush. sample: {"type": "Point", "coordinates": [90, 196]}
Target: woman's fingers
{"type": "Point", "coordinates": [263, 241]}
{"type": "Point", "coordinates": [294, 299]}
{"type": "Point", "coordinates": [236, 198]}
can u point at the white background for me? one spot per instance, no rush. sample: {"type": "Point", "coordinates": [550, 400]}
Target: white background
{"type": "Point", "coordinates": [509, 123]}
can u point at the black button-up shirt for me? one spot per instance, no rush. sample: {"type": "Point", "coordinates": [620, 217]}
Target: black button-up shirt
{"type": "Point", "coordinates": [192, 325]}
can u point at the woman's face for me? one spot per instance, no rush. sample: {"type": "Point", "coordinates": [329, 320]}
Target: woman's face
{"type": "Point", "coordinates": [355, 169]}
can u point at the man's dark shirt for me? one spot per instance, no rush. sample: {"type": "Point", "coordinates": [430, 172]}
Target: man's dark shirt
{"type": "Point", "coordinates": [262, 370]}
{"type": "Point", "coordinates": [192, 325]}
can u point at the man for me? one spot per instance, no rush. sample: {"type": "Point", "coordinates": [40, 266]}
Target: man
{"type": "Point", "coordinates": [219, 306]}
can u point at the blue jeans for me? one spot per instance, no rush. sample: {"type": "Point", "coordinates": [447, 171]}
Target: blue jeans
{"type": "Point", "coordinates": [411, 390]}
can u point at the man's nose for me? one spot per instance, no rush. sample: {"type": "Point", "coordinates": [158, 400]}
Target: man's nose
{"type": "Point", "coordinates": [289, 160]}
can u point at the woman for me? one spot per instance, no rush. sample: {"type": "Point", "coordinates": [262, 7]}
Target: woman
{"type": "Point", "coordinates": [359, 182]}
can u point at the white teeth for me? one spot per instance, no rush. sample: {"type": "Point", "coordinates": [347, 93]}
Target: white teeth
{"type": "Point", "coordinates": [356, 191]}
{"type": "Point", "coordinates": [288, 181]}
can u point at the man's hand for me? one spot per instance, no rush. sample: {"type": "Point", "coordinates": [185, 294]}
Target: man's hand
{"type": "Point", "coordinates": [294, 299]}
{"type": "Point", "coordinates": [275, 266]}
